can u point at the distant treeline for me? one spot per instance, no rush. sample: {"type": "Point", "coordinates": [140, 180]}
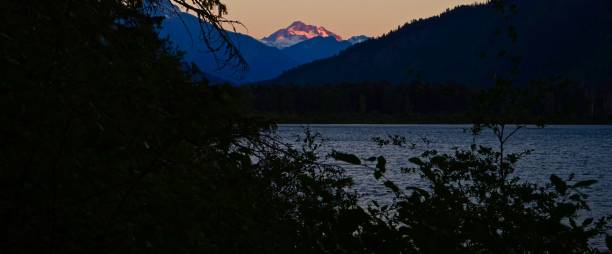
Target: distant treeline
{"type": "Point", "coordinates": [372, 102]}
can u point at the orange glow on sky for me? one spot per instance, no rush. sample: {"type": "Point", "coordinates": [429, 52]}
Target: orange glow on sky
{"type": "Point", "coordinates": [344, 17]}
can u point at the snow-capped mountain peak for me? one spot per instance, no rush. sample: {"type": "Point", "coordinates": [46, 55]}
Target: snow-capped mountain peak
{"type": "Point", "coordinates": [358, 39]}
{"type": "Point", "coordinates": [295, 33]}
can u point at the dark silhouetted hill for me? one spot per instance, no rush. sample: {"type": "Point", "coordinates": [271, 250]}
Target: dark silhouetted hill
{"type": "Point", "coordinates": [472, 44]}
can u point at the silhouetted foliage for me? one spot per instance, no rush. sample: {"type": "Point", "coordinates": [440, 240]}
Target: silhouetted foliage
{"type": "Point", "coordinates": [108, 145]}
{"type": "Point", "coordinates": [473, 202]}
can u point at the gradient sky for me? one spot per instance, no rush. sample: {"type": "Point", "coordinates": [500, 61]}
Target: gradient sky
{"type": "Point", "coordinates": [344, 17]}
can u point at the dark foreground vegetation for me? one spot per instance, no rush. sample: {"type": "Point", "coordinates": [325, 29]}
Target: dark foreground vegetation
{"type": "Point", "coordinates": [108, 145]}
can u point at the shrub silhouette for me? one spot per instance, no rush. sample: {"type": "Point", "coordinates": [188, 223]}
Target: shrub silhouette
{"type": "Point", "coordinates": [474, 203]}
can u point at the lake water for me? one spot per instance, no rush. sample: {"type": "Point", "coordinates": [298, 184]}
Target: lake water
{"type": "Point", "coordinates": [585, 150]}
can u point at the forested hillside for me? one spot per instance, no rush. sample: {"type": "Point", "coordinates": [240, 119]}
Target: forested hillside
{"type": "Point", "coordinates": [472, 45]}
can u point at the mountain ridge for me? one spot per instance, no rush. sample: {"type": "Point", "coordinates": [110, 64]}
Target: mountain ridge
{"type": "Point", "coordinates": [295, 33]}
{"type": "Point", "coordinates": [183, 30]}
{"type": "Point", "coordinates": [556, 39]}
{"type": "Point", "coordinates": [315, 49]}
{"type": "Point", "coordinates": [265, 62]}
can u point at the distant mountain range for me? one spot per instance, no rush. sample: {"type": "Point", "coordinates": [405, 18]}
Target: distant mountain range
{"type": "Point", "coordinates": [472, 44]}
{"type": "Point", "coordinates": [315, 48]}
{"type": "Point", "coordinates": [306, 43]}
{"type": "Point", "coordinates": [299, 32]}
{"type": "Point", "coordinates": [265, 62]}
{"type": "Point", "coordinates": [302, 43]}
{"type": "Point", "coordinates": [295, 33]}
